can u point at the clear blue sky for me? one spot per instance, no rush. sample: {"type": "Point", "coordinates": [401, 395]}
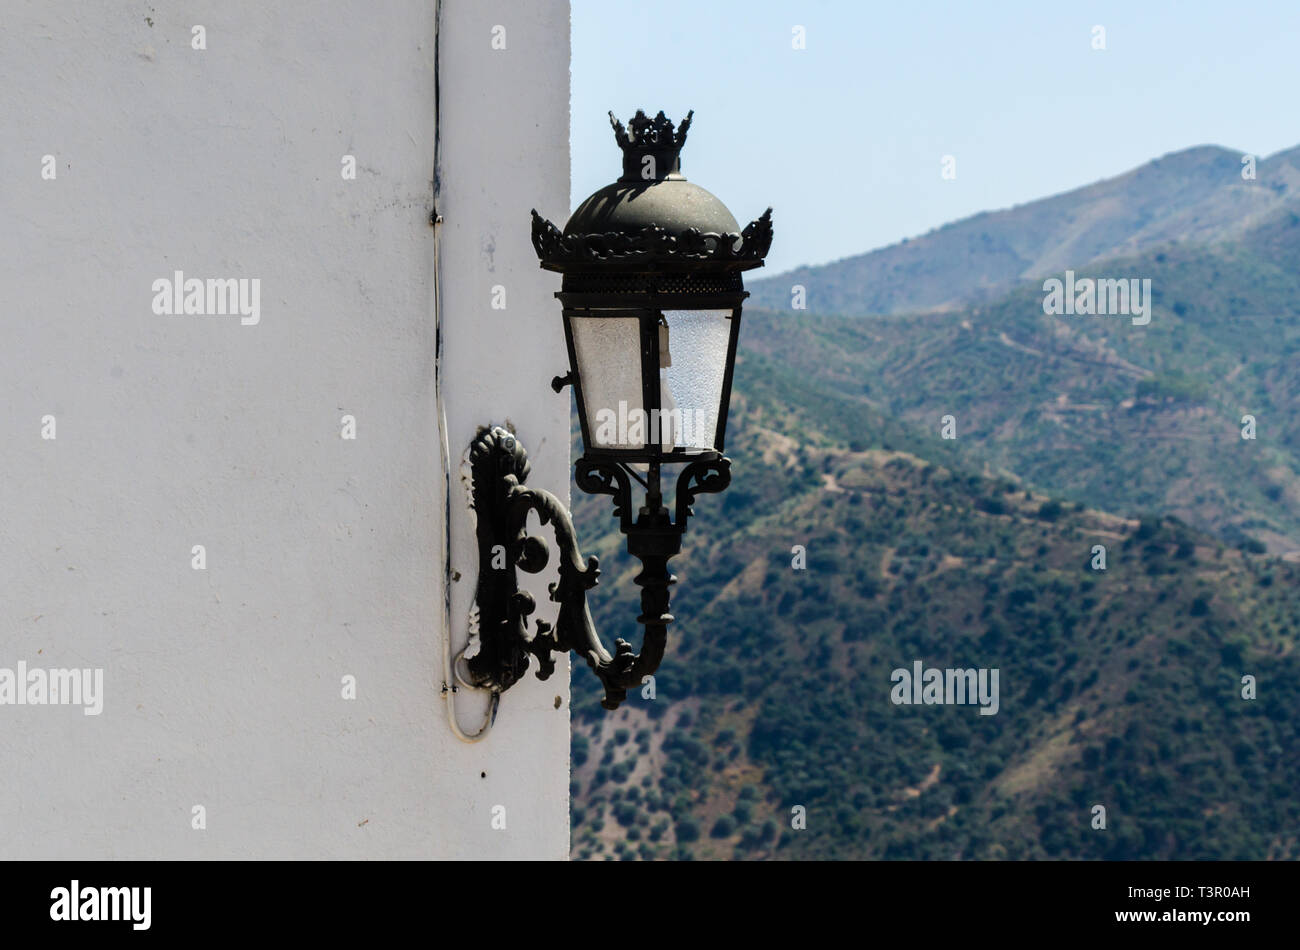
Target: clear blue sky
{"type": "Point", "coordinates": [844, 138]}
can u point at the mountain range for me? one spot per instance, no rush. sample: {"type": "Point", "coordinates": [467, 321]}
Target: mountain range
{"type": "Point", "coordinates": [1194, 196]}
{"type": "Point", "coordinates": [950, 458]}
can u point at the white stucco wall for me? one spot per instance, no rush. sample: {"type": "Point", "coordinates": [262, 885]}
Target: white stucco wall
{"type": "Point", "coordinates": [223, 687]}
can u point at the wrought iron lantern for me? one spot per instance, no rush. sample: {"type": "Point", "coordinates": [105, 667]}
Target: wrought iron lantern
{"type": "Point", "coordinates": [651, 297]}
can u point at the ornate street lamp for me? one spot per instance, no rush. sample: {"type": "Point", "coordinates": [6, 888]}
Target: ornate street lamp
{"type": "Point", "coordinates": [651, 297]}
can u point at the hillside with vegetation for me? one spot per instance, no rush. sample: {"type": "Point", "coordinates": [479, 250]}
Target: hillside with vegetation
{"type": "Point", "coordinates": [1124, 687]}
{"type": "Point", "coordinates": [1113, 415]}
{"type": "Point", "coordinates": [1119, 688]}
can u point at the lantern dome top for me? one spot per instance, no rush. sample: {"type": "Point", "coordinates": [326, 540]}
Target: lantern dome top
{"type": "Point", "coordinates": [652, 216]}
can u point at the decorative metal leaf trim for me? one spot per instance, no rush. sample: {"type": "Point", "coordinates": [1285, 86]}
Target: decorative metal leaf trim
{"type": "Point", "coordinates": [597, 477]}
{"type": "Point", "coordinates": [652, 244]}
{"type": "Point", "coordinates": [705, 476]}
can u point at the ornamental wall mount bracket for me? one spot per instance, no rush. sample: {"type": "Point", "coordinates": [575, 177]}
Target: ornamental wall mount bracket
{"type": "Point", "coordinates": [498, 655]}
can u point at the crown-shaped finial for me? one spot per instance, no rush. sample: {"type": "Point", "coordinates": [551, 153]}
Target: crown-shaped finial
{"type": "Point", "coordinates": [651, 147]}
{"type": "Point", "coordinates": [644, 134]}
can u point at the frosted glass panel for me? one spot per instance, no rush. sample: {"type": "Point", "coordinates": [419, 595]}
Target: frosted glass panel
{"type": "Point", "coordinates": [692, 383]}
{"type": "Point", "coordinates": [608, 350]}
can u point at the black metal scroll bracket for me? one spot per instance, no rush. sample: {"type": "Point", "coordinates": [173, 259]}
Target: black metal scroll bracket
{"type": "Point", "coordinates": [498, 468]}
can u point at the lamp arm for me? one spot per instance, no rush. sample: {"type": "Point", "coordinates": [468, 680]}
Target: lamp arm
{"type": "Point", "coordinates": [498, 466]}
{"type": "Point", "coordinates": [574, 629]}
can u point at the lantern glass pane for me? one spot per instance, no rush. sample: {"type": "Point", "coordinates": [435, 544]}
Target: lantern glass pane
{"type": "Point", "coordinates": [608, 352]}
{"type": "Point", "coordinates": [691, 380]}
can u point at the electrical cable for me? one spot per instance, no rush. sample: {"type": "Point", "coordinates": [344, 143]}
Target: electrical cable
{"type": "Point", "coordinates": [450, 669]}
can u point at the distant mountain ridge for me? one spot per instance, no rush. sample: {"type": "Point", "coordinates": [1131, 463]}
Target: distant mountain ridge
{"type": "Point", "coordinates": [1196, 195]}
{"type": "Point", "coordinates": [1073, 436]}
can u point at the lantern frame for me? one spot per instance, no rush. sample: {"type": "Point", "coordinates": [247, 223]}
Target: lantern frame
{"type": "Point", "coordinates": [648, 309]}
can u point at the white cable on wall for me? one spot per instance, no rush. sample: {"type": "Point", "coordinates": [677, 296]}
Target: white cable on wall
{"type": "Point", "coordinates": [450, 676]}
